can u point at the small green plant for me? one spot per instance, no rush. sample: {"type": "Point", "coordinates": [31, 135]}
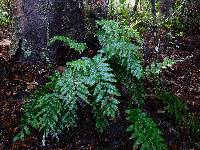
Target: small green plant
{"type": "Point", "coordinates": [5, 18]}
{"type": "Point", "coordinates": [155, 69]}
{"type": "Point", "coordinates": [145, 131]}
{"type": "Point", "coordinates": [121, 10]}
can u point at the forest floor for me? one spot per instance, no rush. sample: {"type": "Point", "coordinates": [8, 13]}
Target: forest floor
{"type": "Point", "coordinates": [17, 81]}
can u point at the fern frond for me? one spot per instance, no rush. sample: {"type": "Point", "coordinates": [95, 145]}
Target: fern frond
{"type": "Point", "coordinates": [156, 68]}
{"type": "Point", "coordinates": [112, 30]}
{"type": "Point", "coordinates": [42, 113]}
{"type": "Point", "coordinates": [136, 89]}
{"type": "Point", "coordinates": [104, 93]}
{"type": "Point", "coordinates": [193, 123]}
{"type": "Point", "coordinates": [127, 55]}
{"type": "Point", "coordinates": [95, 74]}
{"type": "Point", "coordinates": [144, 131]}
{"type": "Point", "coordinates": [80, 47]}
{"type": "Point", "coordinates": [116, 44]}
{"type": "Point", "coordinates": [53, 108]}
{"type": "Point", "coordinates": [174, 106]}
{"type": "Point", "coordinates": [71, 89]}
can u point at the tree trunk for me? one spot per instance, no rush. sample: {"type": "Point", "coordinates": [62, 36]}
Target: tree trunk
{"type": "Point", "coordinates": [36, 21]}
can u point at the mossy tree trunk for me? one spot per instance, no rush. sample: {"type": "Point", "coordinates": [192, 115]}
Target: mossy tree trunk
{"type": "Point", "coordinates": [36, 21]}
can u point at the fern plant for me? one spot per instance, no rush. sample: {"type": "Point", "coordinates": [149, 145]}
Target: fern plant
{"type": "Point", "coordinates": [41, 110]}
{"type": "Point", "coordinates": [145, 131]}
{"type": "Point", "coordinates": [53, 108]}
{"type": "Point", "coordinates": [126, 59]}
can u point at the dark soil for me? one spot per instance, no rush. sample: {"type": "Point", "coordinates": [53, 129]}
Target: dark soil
{"type": "Point", "coordinates": [18, 80]}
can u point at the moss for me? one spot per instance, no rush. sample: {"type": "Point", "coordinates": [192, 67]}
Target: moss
{"type": "Point", "coordinates": [15, 44]}
{"type": "Point", "coordinates": [45, 55]}
{"type": "Point", "coordinates": [25, 48]}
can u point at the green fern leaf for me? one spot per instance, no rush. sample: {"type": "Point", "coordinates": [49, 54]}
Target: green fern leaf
{"type": "Point", "coordinates": [80, 47]}
{"type": "Point", "coordinates": [156, 68]}
{"type": "Point", "coordinates": [116, 44]}
{"type": "Point", "coordinates": [144, 131]}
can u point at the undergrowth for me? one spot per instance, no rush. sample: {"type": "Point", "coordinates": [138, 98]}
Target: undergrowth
{"type": "Point", "coordinates": [178, 110]}
{"type": "Point", "coordinates": [92, 81]}
{"type": "Point", "coordinates": [5, 18]}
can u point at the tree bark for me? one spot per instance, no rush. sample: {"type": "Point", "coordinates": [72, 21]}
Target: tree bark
{"type": "Point", "coordinates": [36, 21]}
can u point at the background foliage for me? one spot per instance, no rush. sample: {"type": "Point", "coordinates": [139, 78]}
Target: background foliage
{"type": "Point", "coordinates": [5, 12]}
